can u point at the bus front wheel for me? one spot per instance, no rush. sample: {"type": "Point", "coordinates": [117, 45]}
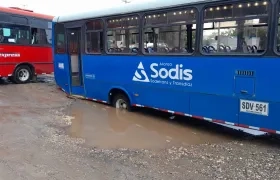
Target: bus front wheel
{"type": "Point", "coordinates": [120, 101]}
{"type": "Point", "coordinates": [22, 74]}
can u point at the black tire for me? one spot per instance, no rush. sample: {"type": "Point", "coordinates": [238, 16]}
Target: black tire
{"type": "Point", "coordinates": [121, 99]}
{"type": "Point", "coordinates": [17, 76]}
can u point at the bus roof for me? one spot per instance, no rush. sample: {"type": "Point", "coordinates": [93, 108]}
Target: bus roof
{"type": "Point", "coordinates": [127, 8]}
{"type": "Point", "coordinates": [24, 12]}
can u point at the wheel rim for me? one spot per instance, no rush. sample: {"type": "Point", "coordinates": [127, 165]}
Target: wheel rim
{"type": "Point", "coordinates": [121, 104]}
{"type": "Point", "coordinates": [23, 75]}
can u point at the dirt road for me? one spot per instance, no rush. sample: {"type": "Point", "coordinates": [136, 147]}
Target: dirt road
{"type": "Point", "coordinates": [45, 135]}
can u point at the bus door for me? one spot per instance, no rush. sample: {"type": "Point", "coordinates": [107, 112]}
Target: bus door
{"type": "Point", "coordinates": [75, 61]}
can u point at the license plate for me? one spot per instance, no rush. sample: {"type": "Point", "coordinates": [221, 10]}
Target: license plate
{"type": "Point", "coordinates": [254, 107]}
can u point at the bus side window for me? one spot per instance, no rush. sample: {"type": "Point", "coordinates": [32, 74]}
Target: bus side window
{"type": "Point", "coordinates": [60, 39]}
{"type": "Point", "coordinates": [4, 33]}
{"type": "Point", "coordinates": [94, 37]}
{"type": "Point", "coordinates": [162, 37]}
{"type": "Point", "coordinates": [23, 37]}
{"type": "Point", "coordinates": [14, 34]}
{"type": "Point", "coordinates": [278, 31]}
{"type": "Point", "coordinates": [239, 28]}
{"type": "Point", "coordinates": [123, 35]}
{"type": "Point", "coordinates": [40, 36]}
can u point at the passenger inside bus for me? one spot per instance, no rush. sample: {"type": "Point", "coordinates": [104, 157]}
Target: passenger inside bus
{"type": "Point", "coordinates": [35, 38]}
{"type": "Point", "coordinates": [39, 36]}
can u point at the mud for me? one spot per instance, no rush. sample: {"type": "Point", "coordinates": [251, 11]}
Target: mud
{"type": "Point", "coordinates": [45, 135]}
{"type": "Point", "coordinates": [106, 127]}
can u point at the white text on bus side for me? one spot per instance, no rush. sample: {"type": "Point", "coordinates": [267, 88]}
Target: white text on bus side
{"type": "Point", "coordinates": [177, 73]}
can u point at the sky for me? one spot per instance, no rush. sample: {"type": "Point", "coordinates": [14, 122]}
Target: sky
{"type": "Point", "coordinates": [59, 7]}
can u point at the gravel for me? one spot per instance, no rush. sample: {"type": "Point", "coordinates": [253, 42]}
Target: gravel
{"type": "Point", "coordinates": [34, 145]}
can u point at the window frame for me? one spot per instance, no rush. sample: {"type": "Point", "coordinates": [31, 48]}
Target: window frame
{"type": "Point", "coordinates": [55, 39]}
{"type": "Point", "coordinates": [85, 37]}
{"type": "Point", "coordinates": [106, 36]}
{"type": "Point", "coordinates": [276, 28]}
{"type": "Point", "coordinates": [38, 23]}
{"type": "Point", "coordinates": [27, 21]}
{"type": "Point", "coordinates": [197, 19]}
{"type": "Point", "coordinates": [39, 45]}
{"type": "Point", "coordinates": [13, 24]}
{"type": "Point", "coordinates": [231, 19]}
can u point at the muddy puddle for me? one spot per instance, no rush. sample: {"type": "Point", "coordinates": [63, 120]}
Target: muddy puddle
{"type": "Point", "coordinates": [106, 127]}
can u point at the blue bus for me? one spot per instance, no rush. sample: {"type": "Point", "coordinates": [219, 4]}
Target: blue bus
{"type": "Point", "coordinates": [213, 60]}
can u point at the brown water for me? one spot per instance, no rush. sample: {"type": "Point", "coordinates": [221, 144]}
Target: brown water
{"type": "Point", "coordinates": [107, 127]}
{"type": "Point", "coordinates": [102, 126]}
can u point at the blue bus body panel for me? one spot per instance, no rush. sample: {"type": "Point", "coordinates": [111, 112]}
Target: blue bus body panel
{"type": "Point", "coordinates": [269, 122]}
{"type": "Point", "coordinates": [215, 107]}
{"type": "Point", "coordinates": [78, 90]}
{"type": "Point", "coordinates": [213, 90]}
{"type": "Point", "coordinates": [61, 70]}
{"type": "Point", "coordinates": [61, 67]}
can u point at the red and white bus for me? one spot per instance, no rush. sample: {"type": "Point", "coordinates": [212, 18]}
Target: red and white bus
{"type": "Point", "coordinates": [25, 44]}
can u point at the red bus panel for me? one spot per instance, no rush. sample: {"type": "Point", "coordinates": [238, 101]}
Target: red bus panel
{"type": "Point", "coordinates": [25, 41]}
{"type": "Point", "coordinates": [12, 55]}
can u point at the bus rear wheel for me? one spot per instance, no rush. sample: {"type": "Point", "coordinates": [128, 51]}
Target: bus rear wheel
{"type": "Point", "coordinates": [22, 75]}
{"type": "Point", "coordinates": [120, 101]}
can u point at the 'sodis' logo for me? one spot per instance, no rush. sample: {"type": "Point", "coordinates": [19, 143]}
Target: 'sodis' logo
{"type": "Point", "coordinates": [140, 76]}
{"type": "Point", "coordinates": [163, 72]}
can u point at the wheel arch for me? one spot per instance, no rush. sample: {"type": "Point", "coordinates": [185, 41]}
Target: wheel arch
{"type": "Point", "coordinates": [31, 66]}
{"type": "Point", "coordinates": [118, 90]}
